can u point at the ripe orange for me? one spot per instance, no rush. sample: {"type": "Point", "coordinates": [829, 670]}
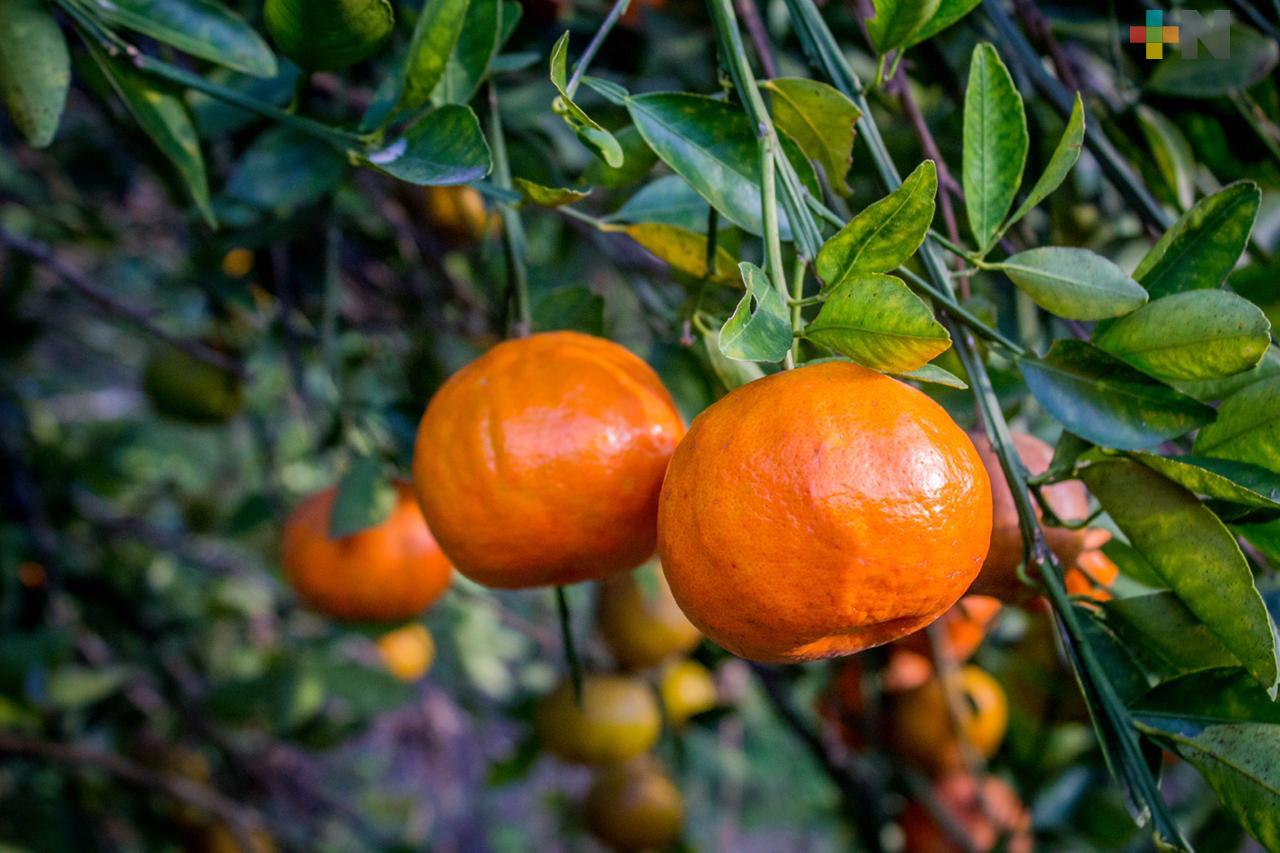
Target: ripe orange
{"type": "Point", "coordinates": [408, 651]}
{"type": "Point", "coordinates": [989, 812]}
{"type": "Point", "coordinates": [1069, 500]}
{"type": "Point", "coordinates": [618, 720]}
{"type": "Point", "coordinates": [457, 214]}
{"type": "Point", "coordinates": [920, 727]}
{"type": "Point", "coordinates": [388, 572]}
{"type": "Point", "coordinates": [540, 462]}
{"type": "Point", "coordinates": [963, 628]}
{"type": "Point", "coordinates": [687, 689]}
{"type": "Point", "coordinates": [1094, 572]}
{"type": "Point", "coordinates": [820, 511]}
{"type": "Point", "coordinates": [642, 627]}
{"type": "Point", "coordinates": [635, 806]}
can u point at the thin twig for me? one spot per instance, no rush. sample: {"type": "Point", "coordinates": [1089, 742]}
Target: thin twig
{"type": "Point", "coordinates": [584, 62]}
{"type": "Point", "coordinates": [1038, 25]}
{"type": "Point", "coordinates": [137, 315]}
{"type": "Point", "coordinates": [750, 14]}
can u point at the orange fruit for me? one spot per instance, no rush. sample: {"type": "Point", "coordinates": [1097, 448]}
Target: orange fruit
{"type": "Point", "coordinates": [617, 720]}
{"type": "Point", "coordinates": [1093, 573]}
{"type": "Point", "coordinates": [642, 627]}
{"type": "Point", "coordinates": [1069, 500]}
{"type": "Point", "coordinates": [540, 462]}
{"type": "Point", "coordinates": [920, 727]}
{"type": "Point", "coordinates": [408, 651]}
{"type": "Point", "coordinates": [821, 511]}
{"type": "Point", "coordinates": [988, 811]}
{"type": "Point", "coordinates": [635, 806]}
{"type": "Point", "coordinates": [457, 214]}
{"type": "Point", "coordinates": [964, 627]}
{"type": "Point", "coordinates": [687, 689]}
{"type": "Point", "coordinates": [388, 572]}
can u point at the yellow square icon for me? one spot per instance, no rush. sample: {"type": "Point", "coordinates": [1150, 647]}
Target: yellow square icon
{"type": "Point", "coordinates": [1155, 50]}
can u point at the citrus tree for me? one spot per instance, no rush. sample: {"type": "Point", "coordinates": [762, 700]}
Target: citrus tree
{"type": "Point", "coordinates": [487, 425]}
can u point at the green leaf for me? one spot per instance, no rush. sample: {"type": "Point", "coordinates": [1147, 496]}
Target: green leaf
{"type": "Point", "coordinates": [885, 234]}
{"type": "Point", "coordinates": [283, 170]}
{"type": "Point", "coordinates": [163, 116]}
{"type": "Point", "coordinates": [434, 37]}
{"type": "Point", "coordinates": [328, 35]}
{"type": "Point", "coordinates": [589, 131]}
{"type": "Point", "coordinates": [878, 322]}
{"type": "Point", "coordinates": [1200, 334]}
{"type": "Point", "coordinates": [1107, 402]}
{"type": "Point", "coordinates": [1218, 389]}
{"type": "Point", "coordinates": [575, 308]}
{"type": "Point", "coordinates": [549, 196]}
{"type": "Point", "coordinates": [731, 372]}
{"type": "Point", "coordinates": [1203, 246]}
{"type": "Point", "coordinates": [949, 12]}
{"type": "Point", "coordinates": [995, 143]}
{"type": "Point", "coordinates": [1195, 555]}
{"type": "Point", "coordinates": [895, 21]}
{"type": "Point", "coordinates": [1247, 428]}
{"type": "Point", "coordinates": [637, 161]}
{"type": "Point", "coordinates": [684, 250]}
{"type": "Point", "coordinates": [1061, 162]}
{"type": "Point", "coordinates": [669, 200]}
{"type": "Point", "coordinates": [760, 328]}
{"type": "Point", "coordinates": [75, 686]}
{"type": "Point", "coordinates": [1075, 284]}
{"type": "Point", "coordinates": [1132, 564]}
{"type": "Point", "coordinates": [445, 146]}
{"type": "Point", "coordinates": [35, 68]}
{"type": "Point", "coordinates": [1165, 636]}
{"type": "Point", "coordinates": [1173, 156]}
{"type": "Point", "coordinates": [365, 498]}
{"type": "Point", "coordinates": [935, 375]}
{"type": "Point", "coordinates": [477, 44]}
{"type": "Point", "coordinates": [1222, 695]}
{"type": "Point", "coordinates": [821, 121]}
{"type": "Point", "coordinates": [1253, 57]}
{"type": "Point", "coordinates": [1241, 762]}
{"type": "Point", "coordinates": [1224, 479]}
{"type": "Point", "coordinates": [712, 145]}
{"type": "Point", "coordinates": [199, 27]}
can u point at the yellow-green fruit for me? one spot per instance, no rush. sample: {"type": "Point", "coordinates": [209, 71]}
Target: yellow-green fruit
{"type": "Point", "coordinates": [328, 35]}
{"type": "Point", "coordinates": [635, 806]}
{"type": "Point", "coordinates": [617, 720]}
{"type": "Point", "coordinates": [642, 627]}
{"type": "Point", "coordinates": [189, 389]}
{"type": "Point", "coordinates": [687, 689]}
{"type": "Point", "coordinates": [457, 214]}
{"type": "Point", "coordinates": [408, 651]}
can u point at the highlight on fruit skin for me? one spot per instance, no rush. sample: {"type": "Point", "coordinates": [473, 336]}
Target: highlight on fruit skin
{"type": "Point", "coordinates": [920, 727]}
{"type": "Point", "coordinates": [985, 809]}
{"type": "Point", "coordinates": [617, 720]}
{"type": "Point", "coordinates": [634, 806]}
{"type": "Point", "coordinates": [541, 461]}
{"type": "Point", "coordinates": [1069, 501]}
{"type": "Point", "coordinates": [389, 572]}
{"type": "Point", "coordinates": [687, 689]}
{"type": "Point", "coordinates": [821, 511]}
{"type": "Point", "coordinates": [457, 214]}
{"type": "Point", "coordinates": [640, 622]}
{"type": "Point", "coordinates": [408, 651]}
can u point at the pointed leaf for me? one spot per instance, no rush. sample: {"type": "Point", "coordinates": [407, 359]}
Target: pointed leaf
{"type": "Point", "coordinates": [821, 121]}
{"type": "Point", "coordinates": [199, 27]}
{"type": "Point", "coordinates": [1172, 153]}
{"type": "Point", "coordinates": [1165, 636]}
{"type": "Point", "coordinates": [1062, 160]}
{"type": "Point", "coordinates": [669, 200]}
{"type": "Point", "coordinates": [1107, 402]}
{"type": "Point", "coordinates": [163, 115]}
{"type": "Point", "coordinates": [1247, 428]}
{"type": "Point", "coordinates": [589, 131]}
{"type": "Point", "coordinates": [328, 35]}
{"type": "Point", "coordinates": [995, 143]}
{"type": "Point", "coordinates": [884, 234]}
{"type": "Point", "coordinates": [1200, 334]}
{"type": "Point", "coordinates": [878, 322]}
{"type": "Point", "coordinates": [684, 250]}
{"type": "Point", "coordinates": [1202, 247]}
{"type": "Point", "coordinates": [283, 170]}
{"type": "Point", "coordinates": [1073, 283]}
{"type": "Point", "coordinates": [1222, 695]}
{"type": "Point", "coordinates": [949, 12]}
{"type": "Point", "coordinates": [895, 21]}
{"type": "Point", "coordinates": [1224, 479]}
{"type": "Point", "coordinates": [1195, 555]}
{"type": "Point", "coordinates": [760, 329]}
{"type": "Point", "coordinates": [443, 147]}
{"type": "Point", "coordinates": [1219, 389]}
{"type": "Point", "coordinates": [712, 145]}
{"type": "Point", "coordinates": [935, 375]}
{"type": "Point", "coordinates": [549, 196]}
{"type": "Point", "coordinates": [434, 37]}
{"type": "Point", "coordinates": [477, 44]}
{"type": "Point", "coordinates": [35, 68]}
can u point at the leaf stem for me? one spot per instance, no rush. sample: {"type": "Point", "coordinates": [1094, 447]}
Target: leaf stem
{"type": "Point", "coordinates": [584, 62]}
{"type": "Point", "coordinates": [960, 313]}
{"type": "Point", "coordinates": [797, 307]}
{"type": "Point", "coordinates": [513, 241]}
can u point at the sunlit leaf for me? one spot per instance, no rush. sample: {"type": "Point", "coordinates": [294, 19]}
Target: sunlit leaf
{"type": "Point", "coordinates": [995, 143]}
{"type": "Point", "coordinates": [199, 27]}
{"type": "Point", "coordinates": [884, 234]}
{"type": "Point", "coordinates": [1247, 428]}
{"type": "Point", "coordinates": [878, 322]}
{"type": "Point", "coordinates": [684, 250]}
{"type": "Point", "coordinates": [1073, 283]}
{"type": "Point", "coordinates": [445, 146]}
{"type": "Point", "coordinates": [1062, 160]}
{"type": "Point", "coordinates": [548, 196]}
{"type": "Point", "coordinates": [760, 328]}
{"type": "Point", "coordinates": [895, 21]}
{"type": "Point", "coordinates": [1202, 247]}
{"type": "Point", "coordinates": [821, 121]}
{"type": "Point", "coordinates": [1173, 156]}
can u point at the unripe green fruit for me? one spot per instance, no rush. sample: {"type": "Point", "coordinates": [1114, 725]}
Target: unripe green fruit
{"type": "Point", "coordinates": [328, 35]}
{"type": "Point", "coordinates": [188, 389]}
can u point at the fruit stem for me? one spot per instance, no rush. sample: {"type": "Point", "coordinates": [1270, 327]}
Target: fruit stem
{"type": "Point", "coordinates": [513, 242]}
{"type": "Point", "coordinates": [570, 648]}
{"type": "Point", "coordinates": [606, 26]}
